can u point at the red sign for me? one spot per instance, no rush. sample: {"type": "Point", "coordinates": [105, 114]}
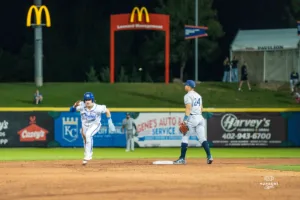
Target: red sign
{"type": "Point", "coordinates": [32, 132]}
{"type": "Point", "coordinates": [139, 19]}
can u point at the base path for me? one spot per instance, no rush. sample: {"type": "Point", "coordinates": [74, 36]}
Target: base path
{"type": "Point", "coordinates": [139, 179]}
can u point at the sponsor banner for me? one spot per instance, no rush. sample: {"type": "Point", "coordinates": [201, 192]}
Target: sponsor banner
{"type": "Point", "coordinates": [160, 130]}
{"type": "Point", "coordinates": [68, 125]}
{"type": "Point", "coordinates": [26, 129]}
{"type": "Point", "coordinates": [294, 128]}
{"type": "Point", "coordinates": [247, 129]}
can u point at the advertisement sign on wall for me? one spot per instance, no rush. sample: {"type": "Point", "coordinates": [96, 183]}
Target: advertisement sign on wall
{"type": "Point", "coordinates": [26, 129]}
{"type": "Point", "coordinates": [247, 129]}
{"type": "Point", "coordinates": [294, 128]}
{"type": "Point", "coordinates": [160, 130]}
{"type": "Point", "coordinates": [68, 125]}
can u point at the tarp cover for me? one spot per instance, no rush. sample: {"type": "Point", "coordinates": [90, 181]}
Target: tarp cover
{"type": "Point", "coordinates": [266, 40]}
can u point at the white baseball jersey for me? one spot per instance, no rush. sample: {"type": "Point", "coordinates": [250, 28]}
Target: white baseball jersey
{"type": "Point", "coordinates": [195, 120]}
{"type": "Point", "coordinates": [195, 100]}
{"type": "Point", "coordinates": [92, 116]}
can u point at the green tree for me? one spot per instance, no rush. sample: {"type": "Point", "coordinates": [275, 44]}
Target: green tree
{"type": "Point", "coordinates": [292, 12]}
{"type": "Point", "coordinates": [92, 75]}
{"type": "Point", "coordinates": [182, 13]}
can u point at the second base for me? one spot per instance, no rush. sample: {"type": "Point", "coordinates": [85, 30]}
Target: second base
{"type": "Point", "coordinates": [164, 162]}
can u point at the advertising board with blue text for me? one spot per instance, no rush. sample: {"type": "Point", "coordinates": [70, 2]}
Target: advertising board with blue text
{"type": "Point", "coordinates": [68, 125]}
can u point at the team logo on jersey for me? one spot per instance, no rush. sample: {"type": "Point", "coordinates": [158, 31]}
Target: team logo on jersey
{"type": "Point", "coordinates": [33, 132]}
{"type": "Point", "coordinates": [70, 128]}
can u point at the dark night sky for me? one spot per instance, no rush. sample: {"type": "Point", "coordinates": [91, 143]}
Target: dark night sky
{"type": "Point", "coordinates": [233, 15]}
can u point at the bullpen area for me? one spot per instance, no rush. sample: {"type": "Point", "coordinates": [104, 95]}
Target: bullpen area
{"type": "Point", "coordinates": [57, 173]}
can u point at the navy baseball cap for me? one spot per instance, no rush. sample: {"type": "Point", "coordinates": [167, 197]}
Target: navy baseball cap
{"type": "Point", "coordinates": [190, 83]}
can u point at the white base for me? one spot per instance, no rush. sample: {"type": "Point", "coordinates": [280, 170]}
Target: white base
{"type": "Point", "coordinates": [165, 162]}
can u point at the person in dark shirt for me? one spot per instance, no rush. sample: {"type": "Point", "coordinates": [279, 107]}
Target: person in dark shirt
{"type": "Point", "coordinates": [294, 79]}
{"type": "Point", "coordinates": [244, 76]}
{"type": "Point", "coordinates": [234, 74]}
{"type": "Point", "coordinates": [226, 64]}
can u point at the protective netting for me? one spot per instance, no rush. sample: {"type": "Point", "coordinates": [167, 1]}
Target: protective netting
{"type": "Point", "coordinates": [276, 66]}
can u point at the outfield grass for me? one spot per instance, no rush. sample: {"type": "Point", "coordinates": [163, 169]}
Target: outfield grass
{"type": "Point", "coordinates": [23, 154]}
{"type": "Point", "coordinates": [295, 168]}
{"type": "Point", "coordinates": [126, 95]}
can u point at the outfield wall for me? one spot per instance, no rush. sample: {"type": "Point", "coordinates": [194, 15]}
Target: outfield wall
{"type": "Point", "coordinates": [156, 127]}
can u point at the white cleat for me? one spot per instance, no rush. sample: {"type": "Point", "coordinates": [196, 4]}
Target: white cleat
{"type": "Point", "coordinates": [84, 162]}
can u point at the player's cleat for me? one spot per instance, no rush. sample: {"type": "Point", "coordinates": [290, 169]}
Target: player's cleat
{"type": "Point", "coordinates": [180, 161]}
{"type": "Point", "coordinates": [210, 160]}
{"type": "Point", "coordinates": [84, 162]}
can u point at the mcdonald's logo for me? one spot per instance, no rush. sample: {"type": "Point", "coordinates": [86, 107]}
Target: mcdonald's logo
{"type": "Point", "coordinates": [38, 13]}
{"type": "Point", "coordinates": [140, 14]}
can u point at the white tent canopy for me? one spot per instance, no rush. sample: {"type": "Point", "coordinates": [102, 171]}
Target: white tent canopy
{"type": "Point", "coordinates": [270, 54]}
{"type": "Point", "coordinates": [266, 39]}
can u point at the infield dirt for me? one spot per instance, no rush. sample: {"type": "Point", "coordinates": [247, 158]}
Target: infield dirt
{"type": "Point", "coordinates": [139, 179]}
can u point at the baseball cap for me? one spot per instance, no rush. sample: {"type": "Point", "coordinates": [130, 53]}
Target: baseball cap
{"type": "Point", "coordinates": [190, 83]}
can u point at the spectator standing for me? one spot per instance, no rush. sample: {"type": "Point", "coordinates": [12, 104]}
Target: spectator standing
{"type": "Point", "coordinates": [128, 124]}
{"type": "Point", "coordinates": [294, 79]}
{"type": "Point", "coordinates": [234, 74]}
{"type": "Point", "coordinates": [226, 64]}
{"type": "Point", "coordinates": [244, 76]}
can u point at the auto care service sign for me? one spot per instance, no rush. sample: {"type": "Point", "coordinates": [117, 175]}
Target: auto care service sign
{"type": "Point", "coordinates": [247, 129]}
{"type": "Point", "coordinates": [161, 130]}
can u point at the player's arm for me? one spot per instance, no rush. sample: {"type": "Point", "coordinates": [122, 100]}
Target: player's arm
{"type": "Point", "coordinates": [188, 106]}
{"type": "Point", "coordinates": [76, 106]}
{"type": "Point", "coordinates": [104, 109]}
{"type": "Point", "coordinates": [134, 126]}
{"type": "Point", "coordinates": [107, 112]}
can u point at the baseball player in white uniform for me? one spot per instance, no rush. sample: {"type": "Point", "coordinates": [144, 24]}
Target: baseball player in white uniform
{"type": "Point", "coordinates": [91, 122]}
{"type": "Point", "coordinates": [194, 120]}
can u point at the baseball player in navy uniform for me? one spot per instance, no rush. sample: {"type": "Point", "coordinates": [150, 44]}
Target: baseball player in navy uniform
{"type": "Point", "coordinates": [194, 120]}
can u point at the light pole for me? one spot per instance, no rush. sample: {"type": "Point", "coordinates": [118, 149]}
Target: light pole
{"type": "Point", "coordinates": [38, 50]}
{"type": "Point", "coordinates": [196, 41]}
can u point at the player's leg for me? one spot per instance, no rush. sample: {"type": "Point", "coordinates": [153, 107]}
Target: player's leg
{"type": "Point", "coordinates": [83, 138]}
{"type": "Point", "coordinates": [183, 150]}
{"type": "Point", "coordinates": [127, 142]}
{"type": "Point", "coordinates": [200, 131]}
{"type": "Point", "coordinates": [91, 131]}
{"type": "Point", "coordinates": [184, 146]}
{"type": "Point", "coordinates": [131, 141]}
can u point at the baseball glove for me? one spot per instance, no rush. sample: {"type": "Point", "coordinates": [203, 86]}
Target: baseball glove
{"type": "Point", "coordinates": [183, 128]}
{"type": "Point", "coordinates": [77, 103]}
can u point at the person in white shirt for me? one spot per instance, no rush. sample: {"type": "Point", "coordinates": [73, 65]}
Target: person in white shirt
{"type": "Point", "coordinates": [91, 121]}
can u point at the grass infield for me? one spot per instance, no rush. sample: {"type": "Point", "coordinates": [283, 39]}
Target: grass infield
{"type": "Point", "coordinates": [26, 154]}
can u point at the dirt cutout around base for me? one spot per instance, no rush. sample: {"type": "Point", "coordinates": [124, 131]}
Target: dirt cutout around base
{"type": "Point", "coordinates": [138, 179]}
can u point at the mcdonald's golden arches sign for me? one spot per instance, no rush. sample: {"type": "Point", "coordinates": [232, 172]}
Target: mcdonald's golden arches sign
{"type": "Point", "coordinates": [38, 11]}
{"type": "Point", "coordinates": [140, 14]}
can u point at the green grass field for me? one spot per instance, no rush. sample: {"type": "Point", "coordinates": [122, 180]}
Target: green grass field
{"type": "Point", "coordinates": [25, 154]}
{"type": "Point", "coordinates": [126, 95]}
{"type": "Point", "coordinates": [295, 168]}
